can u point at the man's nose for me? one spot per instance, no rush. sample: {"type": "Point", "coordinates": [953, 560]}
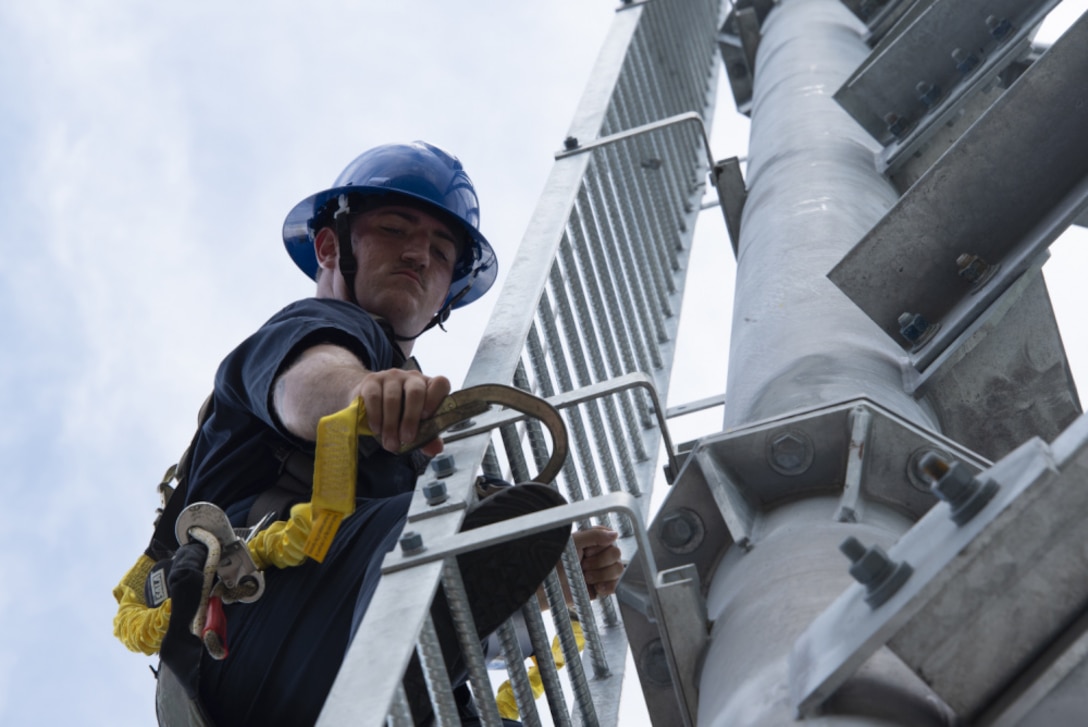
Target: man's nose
{"type": "Point", "coordinates": [416, 248]}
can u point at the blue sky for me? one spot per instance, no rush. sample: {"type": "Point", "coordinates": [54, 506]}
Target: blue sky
{"type": "Point", "coordinates": [150, 154]}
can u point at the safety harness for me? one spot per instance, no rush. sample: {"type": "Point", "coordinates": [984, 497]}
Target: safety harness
{"type": "Point", "coordinates": [143, 619]}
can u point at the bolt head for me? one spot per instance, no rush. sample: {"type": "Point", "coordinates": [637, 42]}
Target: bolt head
{"type": "Point", "coordinates": [411, 542]}
{"type": "Point", "coordinates": [956, 485]}
{"type": "Point", "coordinates": [435, 492]}
{"type": "Point", "coordinates": [872, 567]}
{"type": "Point", "coordinates": [912, 326]}
{"type": "Point", "coordinates": [790, 453]}
{"type": "Point", "coordinates": [443, 465]}
{"type": "Point", "coordinates": [681, 530]}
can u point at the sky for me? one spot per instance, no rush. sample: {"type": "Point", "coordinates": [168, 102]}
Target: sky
{"type": "Point", "coordinates": [150, 154]}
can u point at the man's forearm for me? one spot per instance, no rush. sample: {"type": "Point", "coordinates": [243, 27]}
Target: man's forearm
{"type": "Point", "coordinates": [324, 380]}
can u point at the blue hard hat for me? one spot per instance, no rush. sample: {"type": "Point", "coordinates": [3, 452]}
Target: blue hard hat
{"type": "Point", "coordinates": [422, 172]}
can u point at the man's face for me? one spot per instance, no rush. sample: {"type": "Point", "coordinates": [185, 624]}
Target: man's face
{"type": "Point", "coordinates": [406, 258]}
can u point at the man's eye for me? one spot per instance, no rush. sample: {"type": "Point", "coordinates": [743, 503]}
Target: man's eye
{"type": "Point", "coordinates": [392, 229]}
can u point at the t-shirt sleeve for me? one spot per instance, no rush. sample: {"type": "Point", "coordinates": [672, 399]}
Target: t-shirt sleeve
{"type": "Point", "coordinates": [246, 377]}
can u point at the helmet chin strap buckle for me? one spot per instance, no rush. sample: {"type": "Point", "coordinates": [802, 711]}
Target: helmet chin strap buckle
{"type": "Point", "coordinates": [343, 207]}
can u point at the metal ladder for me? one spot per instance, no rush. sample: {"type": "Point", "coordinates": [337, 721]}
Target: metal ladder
{"type": "Point", "coordinates": [588, 318]}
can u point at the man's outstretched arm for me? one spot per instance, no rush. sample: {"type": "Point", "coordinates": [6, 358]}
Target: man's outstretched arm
{"type": "Point", "coordinates": [327, 378]}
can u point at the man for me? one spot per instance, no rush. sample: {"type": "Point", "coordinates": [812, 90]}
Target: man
{"type": "Point", "coordinates": [393, 246]}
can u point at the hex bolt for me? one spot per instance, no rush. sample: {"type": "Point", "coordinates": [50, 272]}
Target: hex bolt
{"type": "Point", "coordinates": [681, 530]}
{"type": "Point", "coordinates": [965, 62]}
{"type": "Point", "coordinates": [956, 484]}
{"type": "Point", "coordinates": [872, 568]}
{"type": "Point", "coordinates": [790, 453]}
{"type": "Point", "coordinates": [974, 269]}
{"type": "Point", "coordinates": [436, 493]}
{"type": "Point", "coordinates": [1000, 28]}
{"type": "Point", "coordinates": [916, 329]}
{"type": "Point", "coordinates": [411, 542]}
{"type": "Point", "coordinates": [570, 143]}
{"type": "Point", "coordinates": [443, 465]}
{"type": "Point", "coordinates": [897, 125]}
{"type": "Point", "coordinates": [654, 665]}
{"type": "Point", "coordinates": [928, 93]}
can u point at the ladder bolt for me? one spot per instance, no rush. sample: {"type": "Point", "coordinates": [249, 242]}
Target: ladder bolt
{"type": "Point", "coordinates": [443, 465]}
{"type": "Point", "coordinates": [435, 491]}
{"type": "Point", "coordinates": [411, 542]}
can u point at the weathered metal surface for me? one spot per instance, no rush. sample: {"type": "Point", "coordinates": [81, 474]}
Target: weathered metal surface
{"type": "Point", "coordinates": [984, 598]}
{"type": "Point", "coordinates": [1004, 191]}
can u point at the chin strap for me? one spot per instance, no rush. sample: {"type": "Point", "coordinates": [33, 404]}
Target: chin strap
{"type": "Point", "coordinates": [439, 318]}
{"type": "Point", "coordinates": [348, 265]}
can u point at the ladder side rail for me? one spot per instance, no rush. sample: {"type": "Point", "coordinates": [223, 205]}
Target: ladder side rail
{"type": "Point", "coordinates": [601, 267]}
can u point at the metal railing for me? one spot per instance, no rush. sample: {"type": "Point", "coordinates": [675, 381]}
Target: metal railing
{"type": "Point", "coordinates": [593, 295]}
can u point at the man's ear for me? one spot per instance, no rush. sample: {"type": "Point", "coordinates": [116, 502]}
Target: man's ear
{"type": "Point", "coordinates": [327, 249]}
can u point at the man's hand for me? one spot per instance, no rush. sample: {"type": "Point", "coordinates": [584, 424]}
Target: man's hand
{"type": "Point", "coordinates": [326, 379]}
{"type": "Point", "coordinates": [599, 557]}
{"type": "Point", "coordinates": [397, 401]}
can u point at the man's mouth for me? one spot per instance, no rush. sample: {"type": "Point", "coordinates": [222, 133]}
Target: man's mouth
{"type": "Point", "coordinates": [410, 274]}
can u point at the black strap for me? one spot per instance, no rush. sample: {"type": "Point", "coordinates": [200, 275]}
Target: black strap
{"type": "Point", "coordinates": [294, 485]}
{"type": "Point", "coordinates": [164, 541]}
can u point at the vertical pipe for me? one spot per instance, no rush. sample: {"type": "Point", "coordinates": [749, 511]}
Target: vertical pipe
{"type": "Point", "coordinates": [798, 343]}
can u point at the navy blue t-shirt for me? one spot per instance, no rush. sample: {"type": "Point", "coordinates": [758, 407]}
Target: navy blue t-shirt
{"type": "Point", "coordinates": [239, 449]}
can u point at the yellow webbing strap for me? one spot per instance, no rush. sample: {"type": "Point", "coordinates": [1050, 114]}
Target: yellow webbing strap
{"type": "Point", "coordinates": [334, 474]}
{"type": "Point", "coordinates": [138, 627]}
{"type": "Point", "coordinates": [504, 698]}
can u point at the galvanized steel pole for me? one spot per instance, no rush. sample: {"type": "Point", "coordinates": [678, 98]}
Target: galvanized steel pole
{"type": "Point", "coordinates": [798, 343]}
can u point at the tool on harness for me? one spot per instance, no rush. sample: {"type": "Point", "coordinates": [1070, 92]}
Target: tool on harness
{"type": "Point", "coordinates": [229, 560]}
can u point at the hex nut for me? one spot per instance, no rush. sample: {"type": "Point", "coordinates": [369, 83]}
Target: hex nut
{"type": "Point", "coordinates": [411, 542]}
{"type": "Point", "coordinates": [790, 452]}
{"type": "Point", "coordinates": [443, 465]}
{"type": "Point", "coordinates": [681, 530]}
{"type": "Point", "coordinates": [435, 492]}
